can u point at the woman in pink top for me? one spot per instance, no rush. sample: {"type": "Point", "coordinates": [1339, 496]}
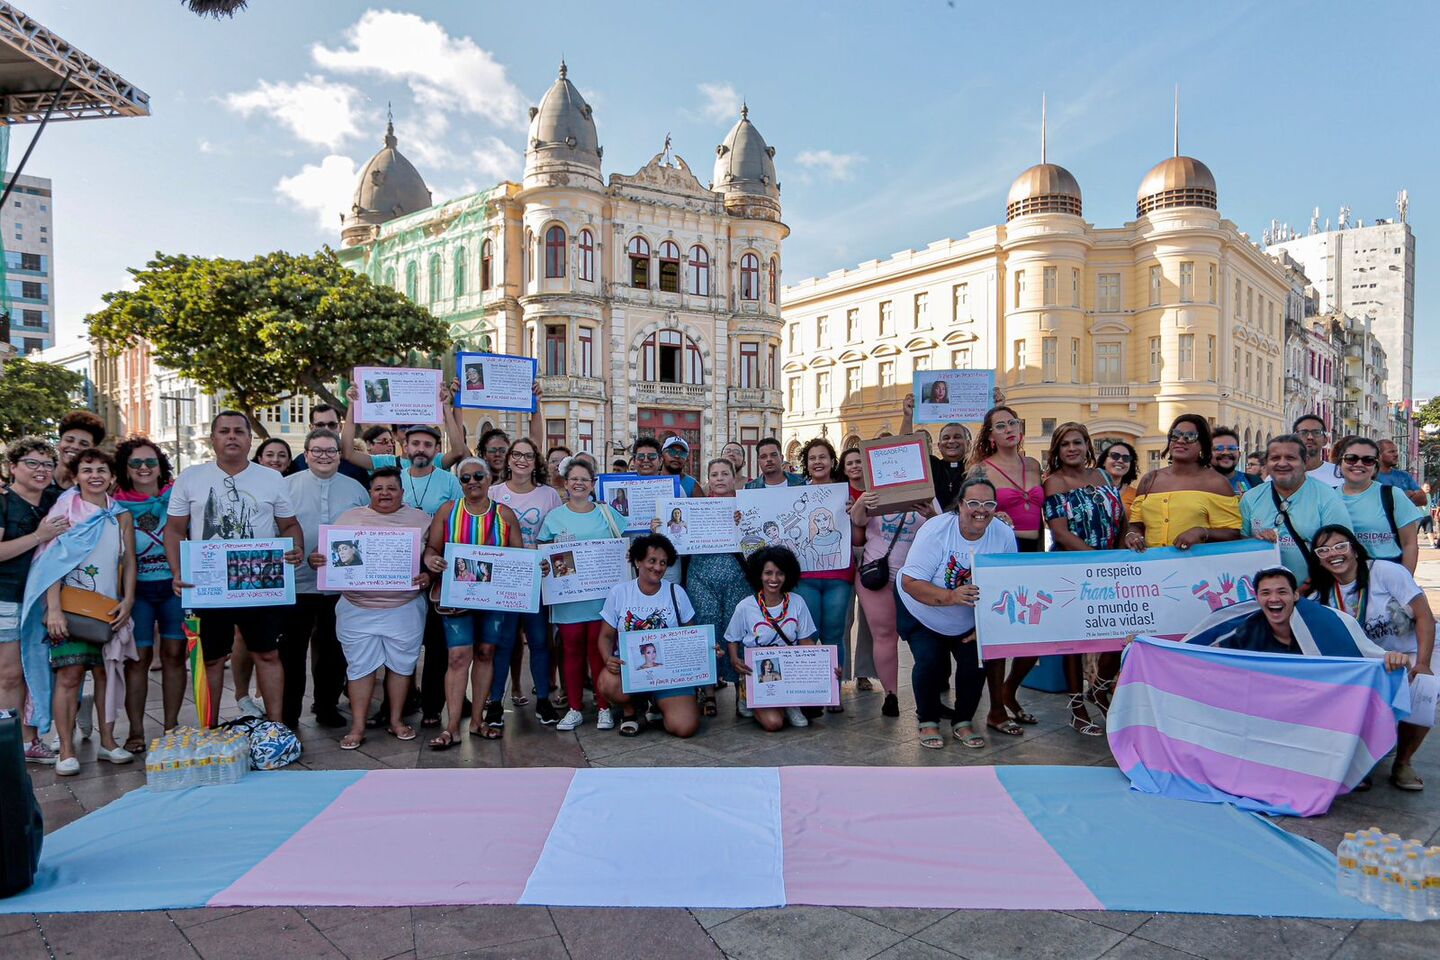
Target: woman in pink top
{"type": "Point", "coordinates": [827, 593]}
{"type": "Point", "coordinates": [999, 452]}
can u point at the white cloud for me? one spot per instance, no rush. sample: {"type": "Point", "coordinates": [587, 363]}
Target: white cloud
{"type": "Point", "coordinates": [494, 159]}
{"type": "Point", "coordinates": [443, 72]}
{"type": "Point", "coordinates": [205, 146]}
{"type": "Point", "coordinates": [722, 102]}
{"type": "Point", "coordinates": [326, 189]}
{"type": "Point", "coordinates": [315, 110]}
{"type": "Point", "coordinates": [836, 166]}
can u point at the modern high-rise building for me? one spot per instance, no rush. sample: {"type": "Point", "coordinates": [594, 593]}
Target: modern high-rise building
{"type": "Point", "coordinates": [27, 233]}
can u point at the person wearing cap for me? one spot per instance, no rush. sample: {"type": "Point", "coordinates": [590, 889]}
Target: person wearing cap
{"type": "Point", "coordinates": [426, 488]}
{"type": "Point", "coordinates": [675, 456]}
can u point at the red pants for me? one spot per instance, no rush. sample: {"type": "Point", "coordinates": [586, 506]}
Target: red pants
{"type": "Point", "coordinates": [580, 644]}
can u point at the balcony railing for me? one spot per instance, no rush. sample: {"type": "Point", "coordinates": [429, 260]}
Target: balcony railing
{"type": "Point", "coordinates": [755, 397]}
{"type": "Point", "coordinates": [1112, 391]}
{"type": "Point", "coordinates": [651, 391]}
{"type": "Point", "coordinates": [564, 387]}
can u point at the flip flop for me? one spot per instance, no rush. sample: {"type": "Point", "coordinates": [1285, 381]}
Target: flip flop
{"type": "Point", "coordinates": [135, 745]}
{"type": "Point", "coordinates": [402, 732]}
{"type": "Point", "coordinates": [442, 741]}
{"type": "Point", "coordinates": [346, 743]}
{"type": "Point", "coordinates": [1020, 716]}
{"type": "Point", "coordinates": [1008, 727]}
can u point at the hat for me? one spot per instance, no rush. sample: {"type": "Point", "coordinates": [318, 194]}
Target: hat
{"type": "Point", "coordinates": [673, 441]}
{"type": "Point", "coordinates": [421, 428]}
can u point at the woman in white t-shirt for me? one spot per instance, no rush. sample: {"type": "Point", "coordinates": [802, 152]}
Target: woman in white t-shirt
{"type": "Point", "coordinates": [646, 603]}
{"type": "Point", "coordinates": [773, 616]}
{"type": "Point", "coordinates": [936, 613]}
{"type": "Point", "coordinates": [1392, 610]}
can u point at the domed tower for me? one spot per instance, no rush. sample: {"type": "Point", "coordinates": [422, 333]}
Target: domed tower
{"type": "Point", "coordinates": [745, 172]}
{"type": "Point", "coordinates": [1177, 182]}
{"type": "Point", "coordinates": [562, 147]}
{"type": "Point", "coordinates": [390, 187]}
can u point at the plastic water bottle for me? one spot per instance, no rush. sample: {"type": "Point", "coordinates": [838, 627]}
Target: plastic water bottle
{"type": "Point", "coordinates": [1412, 875]}
{"type": "Point", "coordinates": [1370, 872]}
{"type": "Point", "coordinates": [1347, 867]}
{"type": "Point", "coordinates": [1392, 887]}
{"type": "Point", "coordinates": [1432, 884]}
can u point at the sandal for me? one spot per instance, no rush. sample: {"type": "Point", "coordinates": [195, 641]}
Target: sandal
{"type": "Point", "coordinates": [707, 704]}
{"type": "Point", "coordinates": [1007, 726]}
{"type": "Point", "coordinates": [519, 699]}
{"type": "Point", "coordinates": [351, 742]}
{"type": "Point", "coordinates": [631, 726]}
{"type": "Point", "coordinates": [1020, 716]}
{"type": "Point", "coordinates": [931, 740]}
{"type": "Point", "coordinates": [863, 683]}
{"type": "Point", "coordinates": [1081, 723]}
{"type": "Point", "coordinates": [430, 722]}
{"type": "Point", "coordinates": [402, 732]}
{"type": "Point", "coordinates": [1098, 689]}
{"type": "Point", "coordinates": [135, 745]}
{"type": "Point", "coordinates": [965, 733]}
{"type": "Point", "coordinates": [443, 741]}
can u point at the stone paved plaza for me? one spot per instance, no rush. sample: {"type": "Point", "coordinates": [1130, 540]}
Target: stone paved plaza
{"type": "Point", "coordinates": [859, 736]}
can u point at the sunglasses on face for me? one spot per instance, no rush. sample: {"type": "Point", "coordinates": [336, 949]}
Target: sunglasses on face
{"type": "Point", "coordinates": [979, 504]}
{"type": "Point", "coordinates": [646, 457]}
{"type": "Point", "coordinates": [497, 450]}
{"type": "Point", "coordinates": [1350, 459]}
{"type": "Point", "coordinates": [1227, 448]}
{"type": "Point", "coordinates": [475, 477]}
{"type": "Point", "coordinates": [137, 462]}
{"type": "Point", "coordinates": [1120, 457]}
{"type": "Point", "coordinates": [1184, 436]}
{"type": "Point", "coordinates": [1332, 549]}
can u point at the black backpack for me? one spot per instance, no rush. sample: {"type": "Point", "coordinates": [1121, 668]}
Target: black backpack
{"type": "Point", "coordinates": [21, 827]}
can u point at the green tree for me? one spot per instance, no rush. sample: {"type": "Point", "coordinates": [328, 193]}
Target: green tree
{"type": "Point", "coordinates": [265, 329]}
{"type": "Point", "coordinates": [34, 396]}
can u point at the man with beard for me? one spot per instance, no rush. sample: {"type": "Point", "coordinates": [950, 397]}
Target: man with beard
{"type": "Point", "coordinates": [1225, 458]}
{"type": "Point", "coordinates": [771, 461]}
{"type": "Point", "coordinates": [1400, 479]}
{"type": "Point", "coordinates": [1289, 507]}
{"type": "Point", "coordinates": [675, 456]}
{"type": "Point", "coordinates": [1311, 429]}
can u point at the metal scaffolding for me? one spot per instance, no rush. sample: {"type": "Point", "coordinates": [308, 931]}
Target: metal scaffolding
{"type": "Point", "coordinates": [34, 66]}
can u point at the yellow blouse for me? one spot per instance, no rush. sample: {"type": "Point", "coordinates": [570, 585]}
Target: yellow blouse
{"type": "Point", "coordinates": [1167, 515]}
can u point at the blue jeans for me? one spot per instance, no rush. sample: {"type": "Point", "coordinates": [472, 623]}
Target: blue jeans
{"type": "Point", "coordinates": [933, 652]}
{"type": "Point", "coordinates": [829, 604]}
{"type": "Point", "coordinates": [537, 634]}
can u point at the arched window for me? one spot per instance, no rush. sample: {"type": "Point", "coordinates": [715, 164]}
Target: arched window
{"type": "Point", "coordinates": [486, 253]}
{"type": "Point", "coordinates": [434, 276]}
{"type": "Point", "coordinates": [749, 277]}
{"type": "Point", "coordinates": [459, 278]}
{"type": "Point", "coordinates": [412, 281]}
{"type": "Point", "coordinates": [587, 255]}
{"type": "Point", "coordinates": [555, 252]}
{"type": "Point", "coordinates": [669, 356]}
{"type": "Point", "coordinates": [669, 267]}
{"type": "Point", "coordinates": [639, 251]}
{"type": "Point", "coordinates": [699, 271]}
{"type": "Point", "coordinates": [774, 280]}
{"type": "Point", "coordinates": [390, 279]}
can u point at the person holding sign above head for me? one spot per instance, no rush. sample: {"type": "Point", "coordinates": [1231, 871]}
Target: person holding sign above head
{"type": "Point", "coordinates": [578, 622]}
{"type": "Point", "coordinates": [953, 445]}
{"type": "Point", "coordinates": [1084, 512]}
{"type": "Point", "coordinates": [646, 603]}
{"type": "Point", "coordinates": [828, 593]}
{"type": "Point", "coordinates": [1291, 506]}
{"type": "Point", "coordinates": [936, 613]}
{"type": "Point", "coordinates": [474, 637]}
{"type": "Point", "coordinates": [773, 615]}
{"type": "Point", "coordinates": [1382, 517]}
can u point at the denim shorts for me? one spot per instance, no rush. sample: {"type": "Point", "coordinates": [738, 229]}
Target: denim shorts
{"type": "Point", "coordinates": [9, 622]}
{"type": "Point", "coordinates": [673, 692]}
{"type": "Point", "coordinates": [477, 626]}
{"type": "Point", "coordinates": [156, 603]}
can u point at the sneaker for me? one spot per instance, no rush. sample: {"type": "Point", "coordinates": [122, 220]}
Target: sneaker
{"type": "Point", "coordinates": [573, 719]}
{"type": "Point", "coordinates": [118, 755]}
{"type": "Point", "coordinates": [85, 719]}
{"type": "Point", "coordinates": [545, 711]}
{"type": "Point", "coordinates": [495, 715]}
{"type": "Point", "coordinates": [250, 707]}
{"type": "Point", "coordinates": [38, 752]}
{"type": "Point", "coordinates": [67, 767]}
{"type": "Point", "coordinates": [605, 720]}
{"type": "Point", "coordinates": [796, 718]}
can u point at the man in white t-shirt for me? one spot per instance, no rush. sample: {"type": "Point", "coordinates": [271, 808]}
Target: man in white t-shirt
{"type": "Point", "coordinates": [1311, 429]}
{"type": "Point", "coordinates": [231, 498]}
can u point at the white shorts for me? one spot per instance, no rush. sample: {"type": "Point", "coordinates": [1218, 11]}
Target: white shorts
{"type": "Point", "coordinates": [388, 637]}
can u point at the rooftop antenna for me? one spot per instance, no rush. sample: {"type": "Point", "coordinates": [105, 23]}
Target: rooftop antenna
{"type": "Point", "coordinates": [1177, 119]}
{"type": "Point", "coordinates": [1042, 128]}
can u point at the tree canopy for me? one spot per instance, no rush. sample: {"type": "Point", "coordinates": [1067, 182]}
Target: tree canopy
{"type": "Point", "coordinates": [264, 329]}
{"type": "Point", "coordinates": [34, 396]}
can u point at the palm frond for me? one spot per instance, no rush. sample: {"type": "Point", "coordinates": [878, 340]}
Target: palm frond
{"type": "Point", "coordinates": [216, 8]}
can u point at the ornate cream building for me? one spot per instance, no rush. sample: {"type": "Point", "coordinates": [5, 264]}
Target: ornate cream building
{"type": "Point", "coordinates": [651, 300]}
{"type": "Point", "coordinates": [1120, 328]}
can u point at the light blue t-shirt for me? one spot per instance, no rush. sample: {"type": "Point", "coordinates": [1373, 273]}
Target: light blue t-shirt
{"type": "Point", "coordinates": [1399, 478]}
{"type": "Point", "coordinates": [1367, 519]}
{"type": "Point", "coordinates": [1313, 506]}
{"type": "Point", "coordinates": [562, 525]}
{"type": "Point", "coordinates": [428, 493]}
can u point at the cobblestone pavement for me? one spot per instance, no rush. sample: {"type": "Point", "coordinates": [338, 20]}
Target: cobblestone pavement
{"type": "Point", "coordinates": [860, 736]}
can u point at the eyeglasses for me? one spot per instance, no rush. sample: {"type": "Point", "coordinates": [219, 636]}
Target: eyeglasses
{"type": "Point", "coordinates": [1312, 433]}
{"type": "Point", "coordinates": [579, 480]}
{"type": "Point", "coordinates": [979, 504]}
{"type": "Point", "coordinates": [1119, 457]}
{"type": "Point", "coordinates": [1351, 459]}
{"type": "Point", "coordinates": [499, 450]}
{"type": "Point", "coordinates": [646, 457]}
{"type": "Point", "coordinates": [41, 465]}
{"type": "Point", "coordinates": [522, 457]}
{"type": "Point", "coordinates": [1331, 549]}
{"type": "Point", "coordinates": [475, 477]}
{"type": "Point", "coordinates": [1227, 448]}
{"type": "Point", "coordinates": [322, 453]}
{"type": "Point", "coordinates": [1010, 424]}
{"type": "Point", "coordinates": [1184, 436]}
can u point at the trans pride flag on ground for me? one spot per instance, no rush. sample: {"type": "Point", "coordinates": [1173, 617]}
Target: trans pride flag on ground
{"type": "Point", "coordinates": [1274, 733]}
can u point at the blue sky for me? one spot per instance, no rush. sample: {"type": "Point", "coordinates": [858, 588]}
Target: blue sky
{"type": "Point", "coordinates": [895, 124]}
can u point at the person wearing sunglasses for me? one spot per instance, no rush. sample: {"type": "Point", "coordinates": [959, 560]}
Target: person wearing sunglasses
{"type": "Point", "coordinates": [1121, 465]}
{"type": "Point", "coordinates": [1288, 508]}
{"type": "Point", "coordinates": [1225, 451]}
{"type": "Point", "coordinates": [1391, 609]}
{"type": "Point", "coordinates": [1382, 517]}
{"type": "Point", "coordinates": [1186, 502]}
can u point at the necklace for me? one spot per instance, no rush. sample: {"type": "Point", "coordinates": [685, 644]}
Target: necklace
{"type": "Point", "coordinates": [429, 478]}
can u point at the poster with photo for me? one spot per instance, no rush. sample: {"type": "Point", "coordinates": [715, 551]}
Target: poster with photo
{"type": "Point", "coordinates": [236, 573]}
{"type": "Point", "coordinates": [953, 396]}
{"type": "Point", "coordinates": [802, 676]}
{"type": "Point", "coordinates": [633, 497]}
{"type": "Point", "coordinates": [491, 578]}
{"type": "Point", "coordinates": [494, 381]}
{"type": "Point", "coordinates": [375, 558]}
{"type": "Point", "coordinates": [699, 524]}
{"type": "Point", "coordinates": [665, 659]}
{"type": "Point", "coordinates": [811, 521]}
{"type": "Point", "coordinates": [583, 569]}
{"type": "Point", "coordinates": [398, 395]}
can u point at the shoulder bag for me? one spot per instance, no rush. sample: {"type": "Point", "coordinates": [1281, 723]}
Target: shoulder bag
{"type": "Point", "coordinates": [876, 574]}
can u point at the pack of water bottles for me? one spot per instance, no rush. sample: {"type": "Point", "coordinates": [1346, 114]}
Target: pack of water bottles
{"type": "Point", "coordinates": [1398, 876]}
{"type": "Point", "coordinates": [187, 757]}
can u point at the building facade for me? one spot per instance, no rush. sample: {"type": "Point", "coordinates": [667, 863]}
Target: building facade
{"type": "Point", "coordinates": [1314, 370]}
{"type": "Point", "coordinates": [27, 231]}
{"type": "Point", "coordinates": [650, 301]}
{"type": "Point", "coordinates": [76, 357]}
{"type": "Point", "coordinates": [1120, 328]}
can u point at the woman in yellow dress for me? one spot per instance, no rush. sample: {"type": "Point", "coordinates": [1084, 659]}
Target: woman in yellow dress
{"type": "Point", "coordinates": [1186, 502]}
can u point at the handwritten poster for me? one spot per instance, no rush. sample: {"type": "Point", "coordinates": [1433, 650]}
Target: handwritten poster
{"type": "Point", "coordinates": [802, 676]}
{"type": "Point", "coordinates": [810, 520]}
{"type": "Point", "coordinates": [665, 659]}
{"type": "Point", "coordinates": [491, 578]}
{"type": "Point", "coordinates": [493, 381]}
{"type": "Point", "coordinates": [368, 558]}
{"type": "Point", "coordinates": [398, 395]}
{"type": "Point", "coordinates": [236, 573]}
{"type": "Point", "coordinates": [699, 525]}
{"type": "Point", "coordinates": [583, 569]}
{"type": "Point", "coordinates": [633, 497]}
{"type": "Point", "coordinates": [897, 471]}
{"type": "Point", "coordinates": [959, 396]}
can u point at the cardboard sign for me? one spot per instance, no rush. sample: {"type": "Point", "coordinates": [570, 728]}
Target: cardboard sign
{"type": "Point", "coordinates": [897, 471]}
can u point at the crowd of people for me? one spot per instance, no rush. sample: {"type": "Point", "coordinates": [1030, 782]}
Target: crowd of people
{"type": "Point", "coordinates": [90, 572]}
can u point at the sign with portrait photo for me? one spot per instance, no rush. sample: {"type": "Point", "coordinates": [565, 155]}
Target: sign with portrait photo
{"type": "Point", "coordinates": [583, 569]}
{"type": "Point", "coordinates": [665, 659]}
{"type": "Point", "coordinates": [375, 558]}
{"type": "Point", "coordinates": [953, 396]}
{"type": "Point", "coordinates": [897, 471]}
{"type": "Point", "coordinates": [494, 381]}
{"type": "Point", "coordinates": [398, 395]}
{"type": "Point", "coordinates": [802, 676]}
{"type": "Point", "coordinates": [633, 497]}
{"type": "Point", "coordinates": [811, 521]}
{"type": "Point", "coordinates": [699, 524]}
{"type": "Point", "coordinates": [236, 573]}
{"type": "Point", "coordinates": [491, 578]}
